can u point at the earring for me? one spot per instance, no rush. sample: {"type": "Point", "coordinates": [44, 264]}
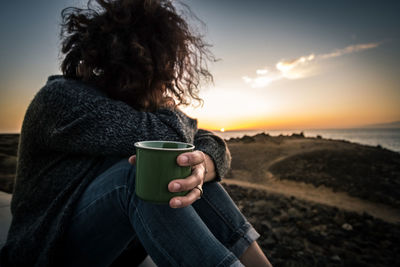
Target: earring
{"type": "Point", "coordinates": [79, 70]}
{"type": "Point", "coordinates": [97, 71]}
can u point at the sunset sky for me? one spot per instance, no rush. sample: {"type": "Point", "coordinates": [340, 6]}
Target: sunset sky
{"type": "Point", "coordinates": [284, 64]}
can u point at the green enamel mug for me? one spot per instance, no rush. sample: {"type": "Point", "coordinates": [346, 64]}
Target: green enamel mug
{"type": "Point", "coordinates": [156, 166]}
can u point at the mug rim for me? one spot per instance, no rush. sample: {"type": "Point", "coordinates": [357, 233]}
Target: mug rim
{"type": "Point", "coordinates": [141, 145]}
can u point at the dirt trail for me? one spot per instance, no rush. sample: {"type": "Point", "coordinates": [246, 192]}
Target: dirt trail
{"type": "Point", "coordinates": [323, 195]}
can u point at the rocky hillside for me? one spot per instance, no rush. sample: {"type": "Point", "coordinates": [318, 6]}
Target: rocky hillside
{"type": "Point", "coordinates": [299, 233]}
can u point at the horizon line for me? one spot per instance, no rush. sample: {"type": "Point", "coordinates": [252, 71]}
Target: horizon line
{"type": "Point", "coordinates": [275, 130]}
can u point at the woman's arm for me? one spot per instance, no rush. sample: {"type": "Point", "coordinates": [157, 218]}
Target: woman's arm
{"type": "Point", "coordinates": [208, 172]}
{"type": "Point", "coordinates": [72, 119]}
{"type": "Point", "coordinates": [209, 162]}
{"type": "Point", "coordinates": [211, 173]}
{"type": "Point", "coordinates": [216, 150]}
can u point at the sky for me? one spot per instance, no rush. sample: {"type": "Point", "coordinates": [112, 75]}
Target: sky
{"type": "Point", "coordinates": [282, 64]}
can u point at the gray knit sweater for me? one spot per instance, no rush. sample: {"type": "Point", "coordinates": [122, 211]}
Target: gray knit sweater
{"type": "Point", "coordinates": [69, 129]}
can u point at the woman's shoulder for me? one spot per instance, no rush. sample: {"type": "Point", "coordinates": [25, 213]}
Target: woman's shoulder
{"type": "Point", "coordinates": [60, 91]}
{"type": "Point", "coordinates": [59, 85]}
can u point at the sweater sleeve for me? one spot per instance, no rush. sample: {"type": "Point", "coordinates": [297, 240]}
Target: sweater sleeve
{"type": "Point", "coordinates": [216, 148]}
{"type": "Point", "coordinates": [73, 120]}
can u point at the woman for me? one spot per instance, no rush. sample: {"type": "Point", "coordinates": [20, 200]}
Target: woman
{"type": "Point", "coordinates": [128, 64]}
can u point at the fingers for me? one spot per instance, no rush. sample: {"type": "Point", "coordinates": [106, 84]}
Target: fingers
{"type": "Point", "coordinates": [190, 158]}
{"type": "Point", "coordinates": [196, 178]}
{"type": "Point", "coordinates": [187, 184]}
{"type": "Point", "coordinates": [181, 202]}
{"type": "Point", "coordinates": [132, 159]}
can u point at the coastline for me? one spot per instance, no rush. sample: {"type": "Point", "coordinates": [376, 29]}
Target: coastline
{"type": "Point", "coordinates": [388, 138]}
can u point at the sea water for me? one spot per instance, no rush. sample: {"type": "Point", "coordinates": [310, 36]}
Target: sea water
{"type": "Point", "coordinates": [388, 138]}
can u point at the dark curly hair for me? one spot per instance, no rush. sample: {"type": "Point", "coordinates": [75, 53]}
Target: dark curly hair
{"type": "Point", "coordinates": [141, 52]}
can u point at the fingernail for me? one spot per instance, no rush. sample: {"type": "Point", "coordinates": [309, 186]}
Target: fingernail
{"type": "Point", "coordinates": [183, 159]}
{"type": "Point", "coordinates": [176, 186]}
{"type": "Point", "coordinates": [177, 203]}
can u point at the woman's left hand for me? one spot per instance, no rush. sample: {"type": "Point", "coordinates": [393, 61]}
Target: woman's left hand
{"type": "Point", "coordinates": [201, 163]}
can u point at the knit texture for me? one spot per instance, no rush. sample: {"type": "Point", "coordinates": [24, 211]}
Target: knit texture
{"type": "Point", "coordinates": [69, 130]}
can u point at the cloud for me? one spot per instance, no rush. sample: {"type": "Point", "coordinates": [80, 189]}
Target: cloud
{"type": "Point", "coordinates": [262, 80]}
{"type": "Point", "coordinates": [300, 67]}
{"type": "Point", "coordinates": [349, 49]}
{"type": "Point", "coordinates": [261, 72]}
{"type": "Point", "coordinates": [294, 69]}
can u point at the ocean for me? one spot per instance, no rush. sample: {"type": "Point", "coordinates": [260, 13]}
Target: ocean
{"type": "Point", "coordinates": [388, 138]}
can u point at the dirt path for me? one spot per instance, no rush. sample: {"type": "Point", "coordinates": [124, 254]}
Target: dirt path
{"type": "Point", "coordinates": [325, 196]}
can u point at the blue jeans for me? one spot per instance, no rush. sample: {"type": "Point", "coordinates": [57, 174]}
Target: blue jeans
{"type": "Point", "coordinates": [109, 215]}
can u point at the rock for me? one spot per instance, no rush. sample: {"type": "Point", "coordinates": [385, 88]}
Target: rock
{"type": "Point", "coordinates": [294, 213]}
{"type": "Point", "coordinates": [336, 258]}
{"type": "Point", "coordinates": [284, 217]}
{"type": "Point", "coordinates": [240, 206]}
{"type": "Point", "coordinates": [315, 238]}
{"type": "Point", "coordinates": [270, 241]}
{"type": "Point", "coordinates": [254, 222]}
{"type": "Point", "coordinates": [297, 245]}
{"type": "Point", "coordinates": [339, 218]}
{"type": "Point", "coordinates": [285, 252]}
{"type": "Point", "coordinates": [261, 137]}
{"type": "Point", "coordinates": [276, 219]}
{"type": "Point", "coordinates": [260, 206]}
{"type": "Point", "coordinates": [266, 224]}
{"type": "Point", "coordinates": [347, 227]}
{"type": "Point", "coordinates": [248, 139]}
{"type": "Point", "coordinates": [319, 228]}
{"type": "Point", "coordinates": [277, 233]}
{"type": "Point", "coordinates": [300, 135]}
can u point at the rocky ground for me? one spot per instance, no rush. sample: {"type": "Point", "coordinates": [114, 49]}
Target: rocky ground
{"type": "Point", "coordinates": [366, 172]}
{"type": "Point", "coordinates": [299, 233]}
{"type": "Point", "coordinates": [8, 161]}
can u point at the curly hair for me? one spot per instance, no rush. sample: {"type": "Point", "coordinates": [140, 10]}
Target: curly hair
{"type": "Point", "coordinates": [141, 52]}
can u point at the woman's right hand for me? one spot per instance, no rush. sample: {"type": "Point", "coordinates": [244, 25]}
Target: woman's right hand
{"type": "Point", "coordinates": [193, 183]}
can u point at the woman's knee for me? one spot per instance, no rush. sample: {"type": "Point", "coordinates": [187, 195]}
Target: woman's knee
{"type": "Point", "coordinates": [120, 173]}
{"type": "Point", "coordinates": [128, 172]}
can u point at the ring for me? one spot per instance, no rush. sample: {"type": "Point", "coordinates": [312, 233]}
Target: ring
{"type": "Point", "coordinates": [200, 189]}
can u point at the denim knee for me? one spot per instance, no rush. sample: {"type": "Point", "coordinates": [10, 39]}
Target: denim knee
{"type": "Point", "coordinates": [130, 176]}
{"type": "Point", "coordinates": [127, 177]}
{"type": "Point", "coordinates": [119, 173]}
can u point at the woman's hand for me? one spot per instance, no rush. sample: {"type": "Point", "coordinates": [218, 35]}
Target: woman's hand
{"type": "Point", "coordinates": [203, 170]}
{"type": "Point", "coordinates": [192, 183]}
